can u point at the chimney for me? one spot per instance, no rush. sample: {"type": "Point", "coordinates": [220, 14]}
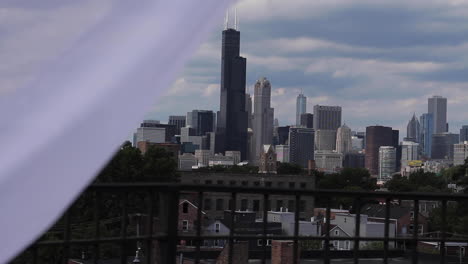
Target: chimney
{"type": "Point", "coordinates": [282, 252]}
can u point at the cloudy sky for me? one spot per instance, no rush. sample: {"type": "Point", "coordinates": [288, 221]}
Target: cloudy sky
{"type": "Point", "coordinates": [379, 60]}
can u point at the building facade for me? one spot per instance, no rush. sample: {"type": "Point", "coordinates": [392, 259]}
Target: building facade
{"type": "Point", "coordinates": [464, 134]}
{"type": "Point", "coordinates": [178, 122]}
{"type": "Point", "coordinates": [282, 153]}
{"type": "Point", "coordinates": [376, 137]}
{"type": "Point", "coordinates": [344, 142]}
{"type": "Point", "coordinates": [263, 117]}
{"type": "Point", "coordinates": [202, 121]}
{"type": "Point", "coordinates": [301, 107]}
{"type": "Point", "coordinates": [307, 120]}
{"type": "Point", "coordinates": [267, 160]}
{"type": "Point", "coordinates": [427, 130]}
{"type": "Point", "coordinates": [410, 151]}
{"type": "Point", "coordinates": [442, 145]}
{"type": "Point", "coordinates": [326, 160]}
{"type": "Point", "coordinates": [413, 128]}
{"type": "Point", "coordinates": [460, 153]}
{"type": "Point", "coordinates": [327, 117]}
{"type": "Point", "coordinates": [387, 163]}
{"type": "Point", "coordinates": [437, 106]}
{"type": "Point", "coordinates": [301, 145]}
{"type": "Point", "coordinates": [325, 139]}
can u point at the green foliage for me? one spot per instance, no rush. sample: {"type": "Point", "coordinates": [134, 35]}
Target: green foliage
{"type": "Point", "coordinates": [377, 245]}
{"type": "Point", "coordinates": [310, 244]}
{"type": "Point", "coordinates": [417, 181]}
{"type": "Point", "coordinates": [349, 177]}
{"type": "Point", "coordinates": [289, 168]}
{"type": "Point", "coordinates": [246, 169]}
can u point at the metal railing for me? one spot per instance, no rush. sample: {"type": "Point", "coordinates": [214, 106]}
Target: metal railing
{"type": "Point", "coordinates": [167, 236]}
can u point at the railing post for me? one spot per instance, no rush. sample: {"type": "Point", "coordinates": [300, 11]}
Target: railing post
{"type": "Point", "coordinates": [232, 227]}
{"type": "Point", "coordinates": [149, 240]}
{"type": "Point", "coordinates": [199, 225]}
{"type": "Point", "coordinates": [296, 230]}
{"type": "Point", "coordinates": [415, 231]}
{"type": "Point", "coordinates": [357, 233]}
{"type": "Point", "coordinates": [387, 227]}
{"type": "Point", "coordinates": [264, 231]}
{"type": "Point", "coordinates": [66, 240]}
{"type": "Point", "coordinates": [444, 230]}
{"type": "Point", "coordinates": [97, 201]}
{"type": "Point", "coordinates": [123, 229]}
{"type": "Point", "coordinates": [173, 224]}
{"type": "Point", "coordinates": [327, 232]}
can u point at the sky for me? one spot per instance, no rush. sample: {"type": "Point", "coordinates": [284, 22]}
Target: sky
{"type": "Point", "coordinates": [379, 60]}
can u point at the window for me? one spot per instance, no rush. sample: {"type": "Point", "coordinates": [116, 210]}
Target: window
{"type": "Point", "coordinates": [244, 204]}
{"type": "Point", "coordinates": [219, 182]}
{"type": "Point", "coordinates": [303, 185]}
{"type": "Point", "coordinates": [185, 208]}
{"type": "Point", "coordinates": [291, 206]}
{"type": "Point", "coordinates": [207, 204]}
{"type": "Point", "coordinates": [245, 183]}
{"type": "Point", "coordinates": [232, 183]}
{"type": "Point", "coordinates": [302, 206]}
{"type": "Point", "coordinates": [256, 205]}
{"type": "Point", "coordinates": [256, 183]}
{"type": "Point", "coordinates": [208, 182]}
{"type": "Point", "coordinates": [411, 215]}
{"type": "Point", "coordinates": [292, 185]}
{"type": "Point", "coordinates": [217, 227]}
{"type": "Point", "coordinates": [335, 244]}
{"type": "Point", "coordinates": [185, 225]}
{"type": "Point", "coordinates": [347, 245]}
{"type": "Point", "coordinates": [216, 243]}
{"type": "Point", "coordinates": [268, 184]}
{"type": "Point", "coordinates": [219, 204]}
{"type": "Point", "coordinates": [268, 242]}
{"type": "Point", "coordinates": [337, 232]}
{"type": "Point", "coordinates": [260, 242]}
{"type": "Point", "coordinates": [279, 205]}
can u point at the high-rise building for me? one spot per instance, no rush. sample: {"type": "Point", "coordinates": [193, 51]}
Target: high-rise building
{"type": "Point", "coordinates": [307, 120]}
{"type": "Point", "coordinates": [344, 142]}
{"type": "Point", "coordinates": [376, 137]}
{"type": "Point", "coordinates": [283, 135]}
{"type": "Point", "coordinates": [442, 145]}
{"type": "Point", "coordinates": [202, 121]}
{"type": "Point", "coordinates": [354, 160]}
{"type": "Point", "coordinates": [263, 116]}
{"type": "Point", "coordinates": [327, 117]}
{"type": "Point", "coordinates": [437, 106]}
{"type": "Point", "coordinates": [170, 130]}
{"type": "Point", "coordinates": [464, 134]}
{"type": "Point", "coordinates": [409, 152]}
{"type": "Point", "coordinates": [325, 139]}
{"type": "Point", "coordinates": [301, 145]}
{"type": "Point", "coordinates": [232, 117]}
{"type": "Point", "coordinates": [282, 153]}
{"type": "Point", "coordinates": [460, 153]}
{"type": "Point", "coordinates": [413, 130]}
{"type": "Point", "coordinates": [327, 160]}
{"type": "Point", "coordinates": [150, 134]}
{"type": "Point", "coordinates": [178, 122]}
{"type": "Point", "coordinates": [301, 107]}
{"type": "Point", "coordinates": [357, 143]}
{"type": "Point", "coordinates": [396, 145]}
{"type": "Point", "coordinates": [248, 108]}
{"type": "Point", "coordinates": [427, 130]}
{"type": "Point", "coordinates": [203, 156]}
{"type": "Point", "coordinates": [387, 163]}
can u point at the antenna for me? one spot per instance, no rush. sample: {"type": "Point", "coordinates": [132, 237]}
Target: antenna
{"type": "Point", "coordinates": [235, 18]}
{"type": "Point", "coordinates": [226, 20]}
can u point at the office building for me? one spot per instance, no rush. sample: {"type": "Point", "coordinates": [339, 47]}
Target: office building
{"type": "Point", "coordinates": [202, 121]}
{"type": "Point", "coordinates": [203, 157]}
{"type": "Point", "coordinates": [282, 153]}
{"type": "Point", "coordinates": [330, 161]}
{"type": "Point", "coordinates": [170, 130]}
{"type": "Point", "coordinates": [413, 130]}
{"type": "Point", "coordinates": [354, 160]}
{"type": "Point", "coordinates": [442, 145]}
{"type": "Point", "coordinates": [301, 145]}
{"type": "Point", "coordinates": [409, 152]}
{"type": "Point", "coordinates": [387, 163]}
{"type": "Point", "coordinates": [343, 140]}
{"type": "Point", "coordinates": [283, 135]}
{"type": "Point", "coordinates": [301, 107]}
{"type": "Point", "coordinates": [464, 134]}
{"type": "Point", "coordinates": [376, 137]}
{"type": "Point", "coordinates": [325, 139]}
{"type": "Point", "coordinates": [427, 130]}
{"type": "Point", "coordinates": [307, 120]}
{"type": "Point", "coordinates": [187, 161]}
{"type": "Point", "coordinates": [460, 153]}
{"type": "Point", "coordinates": [357, 143]}
{"type": "Point", "coordinates": [327, 117]}
{"type": "Point", "coordinates": [232, 122]}
{"type": "Point", "coordinates": [150, 134]}
{"type": "Point", "coordinates": [262, 117]}
{"type": "Point", "coordinates": [178, 122]}
{"type": "Point", "coordinates": [235, 155]}
{"type": "Point", "coordinates": [248, 108]}
{"type": "Point", "coordinates": [437, 106]}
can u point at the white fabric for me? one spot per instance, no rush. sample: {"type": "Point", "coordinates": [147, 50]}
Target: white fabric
{"type": "Point", "coordinates": [95, 70]}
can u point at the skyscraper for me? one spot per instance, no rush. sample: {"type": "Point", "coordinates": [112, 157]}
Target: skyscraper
{"type": "Point", "coordinates": [376, 137]}
{"type": "Point", "coordinates": [464, 134]}
{"type": "Point", "coordinates": [343, 140]}
{"type": "Point", "coordinates": [409, 152]}
{"type": "Point", "coordinates": [263, 116]}
{"type": "Point", "coordinates": [413, 130]}
{"type": "Point", "coordinates": [178, 122]}
{"type": "Point", "coordinates": [327, 117]}
{"type": "Point", "coordinates": [301, 145]}
{"type": "Point", "coordinates": [427, 130]}
{"type": "Point", "coordinates": [202, 121]}
{"type": "Point", "coordinates": [301, 107]}
{"type": "Point", "coordinates": [387, 163]}
{"type": "Point", "coordinates": [460, 153]}
{"type": "Point", "coordinates": [437, 106]}
{"type": "Point", "coordinates": [442, 145]}
{"type": "Point", "coordinates": [232, 117]}
{"type": "Point", "coordinates": [307, 120]}
{"type": "Point", "coordinates": [325, 139]}
{"type": "Point", "coordinates": [248, 108]}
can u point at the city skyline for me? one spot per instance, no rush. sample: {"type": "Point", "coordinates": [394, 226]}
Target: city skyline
{"type": "Point", "coordinates": [332, 70]}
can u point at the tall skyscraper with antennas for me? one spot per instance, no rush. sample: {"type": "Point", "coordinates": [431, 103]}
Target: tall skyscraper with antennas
{"type": "Point", "coordinates": [301, 107]}
{"type": "Point", "coordinates": [232, 116]}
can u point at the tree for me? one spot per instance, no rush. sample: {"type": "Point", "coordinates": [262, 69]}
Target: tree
{"type": "Point", "coordinates": [289, 168]}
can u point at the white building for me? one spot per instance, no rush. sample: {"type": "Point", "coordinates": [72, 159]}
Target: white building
{"type": "Point", "coordinates": [343, 140]}
{"type": "Point", "coordinates": [187, 161]}
{"type": "Point", "coordinates": [151, 134]}
{"type": "Point", "coordinates": [328, 160]}
{"type": "Point", "coordinates": [220, 160]}
{"type": "Point", "coordinates": [203, 157]}
{"type": "Point", "coordinates": [387, 163]}
{"type": "Point", "coordinates": [235, 155]}
{"type": "Point", "coordinates": [282, 153]}
{"type": "Point", "coordinates": [262, 117]}
{"type": "Point", "coordinates": [460, 153]}
{"type": "Point", "coordinates": [409, 152]}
